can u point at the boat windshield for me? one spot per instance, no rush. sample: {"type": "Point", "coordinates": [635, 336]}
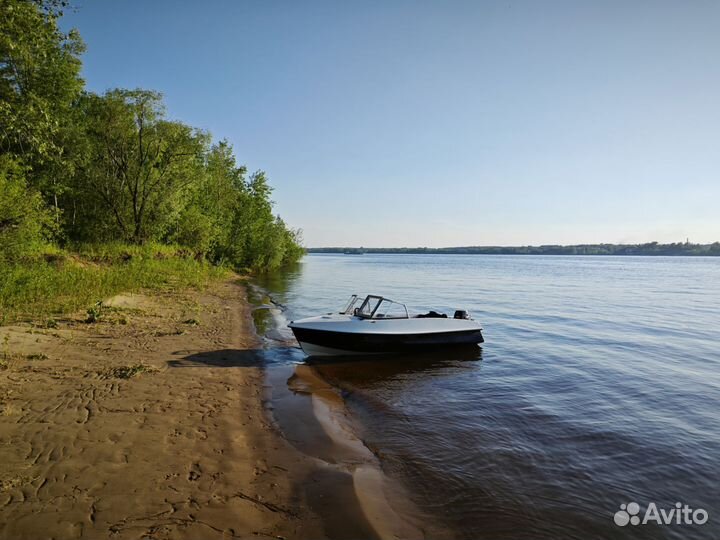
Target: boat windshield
{"type": "Point", "coordinates": [354, 299]}
{"type": "Point", "coordinates": [377, 307]}
{"type": "Point", "coordinates": [387, 309]}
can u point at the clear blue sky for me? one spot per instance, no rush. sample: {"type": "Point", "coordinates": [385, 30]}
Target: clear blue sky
{"type": "Point", "coordinates": [406, 123]}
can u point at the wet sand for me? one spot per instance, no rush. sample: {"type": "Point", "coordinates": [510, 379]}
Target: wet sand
{"type": "Point", "coordinates": [93, 446]}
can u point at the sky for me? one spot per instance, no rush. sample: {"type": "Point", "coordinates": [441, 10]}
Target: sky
{"type": "Point", "coordinates": [447, 123]}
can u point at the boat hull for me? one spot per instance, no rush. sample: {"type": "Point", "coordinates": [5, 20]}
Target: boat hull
{"type": "Point", "coordinates": [315, 342]}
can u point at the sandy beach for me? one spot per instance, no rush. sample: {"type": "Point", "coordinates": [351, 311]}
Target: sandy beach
{"type": "Point", "coordinates": [149, 423]}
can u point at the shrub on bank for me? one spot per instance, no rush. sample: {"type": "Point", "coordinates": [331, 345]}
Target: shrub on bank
{"type": "Point", "coordinates": [25, 222]}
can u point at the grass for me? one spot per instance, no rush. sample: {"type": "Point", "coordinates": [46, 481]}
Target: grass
{"type": "Point", "coordinates": [72, 280]}
{"type": "Point", "coordinates": [128, 372]}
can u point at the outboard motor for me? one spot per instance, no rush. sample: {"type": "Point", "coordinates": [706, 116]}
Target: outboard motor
{"type": "Point", "coordinates": [461, 314]}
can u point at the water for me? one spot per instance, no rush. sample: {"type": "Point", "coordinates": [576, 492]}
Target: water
{"type": "Point", "coordinates": [598, 385]}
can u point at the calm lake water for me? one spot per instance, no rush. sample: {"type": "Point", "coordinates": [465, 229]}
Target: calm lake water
{"type": "Point", "coordinates": [598, 385]}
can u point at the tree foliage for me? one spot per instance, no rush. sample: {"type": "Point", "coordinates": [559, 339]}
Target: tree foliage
{"type": "Point", "coordinates": [25, 222]}
{"type": "Point", "coordinates": [136, 165]}
{"type": "Point", "coordinates": [39, 79]}
{"type": "Point", "coordinates": [113, 167]}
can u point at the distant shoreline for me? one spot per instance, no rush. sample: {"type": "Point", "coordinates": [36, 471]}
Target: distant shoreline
{"type": "Point", "coordinates": [649, 249]}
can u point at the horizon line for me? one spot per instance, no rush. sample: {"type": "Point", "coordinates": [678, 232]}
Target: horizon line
{"type": "Point", "coordinates": [488, 246]}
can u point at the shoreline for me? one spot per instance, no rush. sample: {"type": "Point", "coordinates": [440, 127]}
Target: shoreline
{"type": "Point", "coordinates": [158, 420]}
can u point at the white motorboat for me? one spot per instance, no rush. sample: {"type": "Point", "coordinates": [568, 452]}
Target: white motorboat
{"type": "Point", "coordinates": [378, 325]}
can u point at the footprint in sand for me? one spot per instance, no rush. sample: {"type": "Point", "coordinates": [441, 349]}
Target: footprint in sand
{"type": "Point", "coordinates": [195, 472]}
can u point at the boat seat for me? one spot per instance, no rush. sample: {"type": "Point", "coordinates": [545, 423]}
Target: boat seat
{"type": "Point", "coordinates": [431, 315]}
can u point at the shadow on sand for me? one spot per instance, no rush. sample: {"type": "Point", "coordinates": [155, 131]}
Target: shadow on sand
{"type": "Point", "coordinates": [254, 358]}
{"type": "Point", "coordinates": [243, 358]}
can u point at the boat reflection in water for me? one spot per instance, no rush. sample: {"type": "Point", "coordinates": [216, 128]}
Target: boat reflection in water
{"type": "Point", "coordinates": [364, 371]}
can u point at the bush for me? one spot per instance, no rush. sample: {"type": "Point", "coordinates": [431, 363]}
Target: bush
{"type": "Point", "coordinates": [25, 222]}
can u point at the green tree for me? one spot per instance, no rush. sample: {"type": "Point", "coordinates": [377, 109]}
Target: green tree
{"type": "Point", "coordinates": [205, 223]}
{"type": "Point", "coordinates": [39, 79]}
{"type": "Point", "coordinates": [139, 164]}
